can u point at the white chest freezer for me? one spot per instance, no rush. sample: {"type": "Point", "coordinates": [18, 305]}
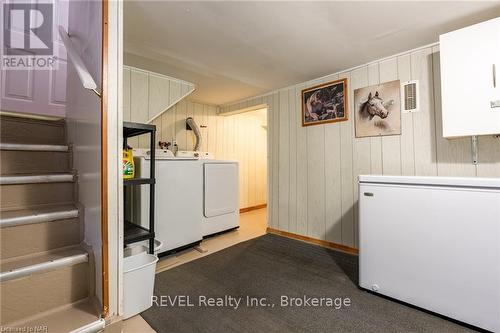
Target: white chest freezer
{"type": "Point", "coordinates": [433, 242]}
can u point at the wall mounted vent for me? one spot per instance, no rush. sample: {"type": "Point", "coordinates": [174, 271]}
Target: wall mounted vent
{"type": "Point", "coordinates": [410, 96]}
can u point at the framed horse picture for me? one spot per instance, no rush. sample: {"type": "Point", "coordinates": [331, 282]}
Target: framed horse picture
{"type": "Point", "coordinates": [325, 103]}
{"type": "Point", "coordinates": [377, 110]}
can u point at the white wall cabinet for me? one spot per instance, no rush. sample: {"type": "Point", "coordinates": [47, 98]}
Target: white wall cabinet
{"type": "Point", "coordinates": [470, 80]}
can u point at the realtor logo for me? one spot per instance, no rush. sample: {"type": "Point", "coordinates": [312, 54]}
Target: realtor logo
{"type": "Point", "coordinates": [28, 35]}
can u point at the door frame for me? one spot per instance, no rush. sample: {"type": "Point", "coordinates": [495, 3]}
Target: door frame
{"type": "Point", "coordinates": [111, 143]}
{"type": "Point", "coordinates": [104, 162]}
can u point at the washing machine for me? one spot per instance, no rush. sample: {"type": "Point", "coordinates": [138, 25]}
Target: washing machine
{"type": "Point", "coordinates": [220, 196]}
{"type": "Point", "coordinates": [178, 198]}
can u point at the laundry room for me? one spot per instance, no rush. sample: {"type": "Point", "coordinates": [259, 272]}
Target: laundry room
{"type": "Point", "coordinates": [241, 166]}
{"type": "Point", "coordinates": [311, 160]}
{"type": "Point", "coordinates": [209, 174]}
{"type": "Point", "coordinates": [191, 137]}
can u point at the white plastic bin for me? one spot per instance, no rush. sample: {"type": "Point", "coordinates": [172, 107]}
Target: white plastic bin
{"type": "Point", "coordinates": [138, 282]}
{"type": "Point", "coordinates": [144, 246]}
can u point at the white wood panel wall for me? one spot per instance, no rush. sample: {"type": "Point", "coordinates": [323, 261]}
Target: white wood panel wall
{"type": "Point", "coordinates": [147, 95]}
{"type": "Point", "coordinates": [313, 170]}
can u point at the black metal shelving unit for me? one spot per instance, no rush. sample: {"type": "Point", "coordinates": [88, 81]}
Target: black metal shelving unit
{"type": "Point", "coordinates": [134, 232]}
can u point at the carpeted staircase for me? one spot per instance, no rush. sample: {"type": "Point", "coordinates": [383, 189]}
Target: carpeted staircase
{"type": "Point", "coordinates": [46, 271]}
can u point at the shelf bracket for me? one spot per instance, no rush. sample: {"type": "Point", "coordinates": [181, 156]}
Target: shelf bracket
{"type": "Point", "coordinates": [475, 149]}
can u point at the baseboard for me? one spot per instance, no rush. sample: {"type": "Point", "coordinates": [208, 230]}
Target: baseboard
{"type": "Point", "coordinates": [248, 209]}
{"type": "Point", "coordinates": [323, 243]}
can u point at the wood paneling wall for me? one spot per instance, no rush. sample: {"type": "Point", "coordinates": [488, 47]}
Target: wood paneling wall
{"type": "Point", "coordinates": [313, 170]}
{"type": "Point", "coordinates": [147, 95]}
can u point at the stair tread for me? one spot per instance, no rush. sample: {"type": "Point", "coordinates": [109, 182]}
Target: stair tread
{"type": "Point", "coordinates": [38, 186]}
{"type": "Point", "coordinates": [9, 217]}
{"type": "Point", "coordinates": [32, 147]}
{"type": "Point", "coordinates": [17, 263]}
{"type": "Point", "coordinates": [32, 118]}
{"type": "Point", "coordinates": [56, 177]}
{"type": "Point", "coordinates": [32, 131]}
{"type": "Point", "coordinates": [67, 318]}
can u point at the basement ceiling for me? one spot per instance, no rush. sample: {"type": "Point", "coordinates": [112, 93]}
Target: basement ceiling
{"type": "Point", "coordinates": [234, 50]}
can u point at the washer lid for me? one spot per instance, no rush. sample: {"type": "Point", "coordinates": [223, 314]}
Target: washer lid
{"type": "Point", "coordinates": [159, 153]}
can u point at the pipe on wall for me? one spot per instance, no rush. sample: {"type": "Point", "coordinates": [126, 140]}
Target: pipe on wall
{"type": "Point", "coordinates": [191, 125]}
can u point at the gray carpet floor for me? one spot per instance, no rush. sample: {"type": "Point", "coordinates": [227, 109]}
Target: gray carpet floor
{"type": "Point", "coordinates": [271, 267]}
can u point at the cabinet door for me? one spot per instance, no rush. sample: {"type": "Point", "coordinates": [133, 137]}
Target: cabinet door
{"type": "Point", "coordinates": [469, 58]}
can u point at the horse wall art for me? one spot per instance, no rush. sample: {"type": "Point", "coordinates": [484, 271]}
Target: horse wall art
{"type": "Point", "coordinates": [378, 110]}
{"type": "Point", "coordinates": [325, 103]}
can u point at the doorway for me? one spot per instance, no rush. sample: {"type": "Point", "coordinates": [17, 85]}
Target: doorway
{"type": "Point", "coordinates": [245, 140]}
